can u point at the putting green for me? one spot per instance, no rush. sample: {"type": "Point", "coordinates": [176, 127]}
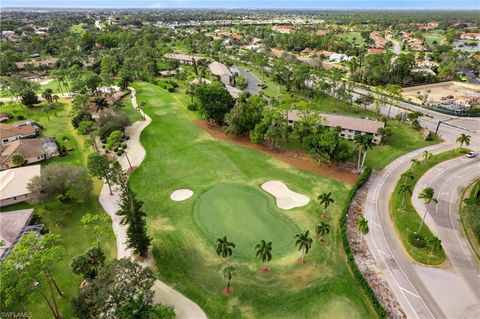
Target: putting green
{"type": "Point", "coordinates": [245, 216]}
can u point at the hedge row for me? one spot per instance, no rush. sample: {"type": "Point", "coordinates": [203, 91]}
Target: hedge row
{"type": "Point", "coordinates": [348, 251]}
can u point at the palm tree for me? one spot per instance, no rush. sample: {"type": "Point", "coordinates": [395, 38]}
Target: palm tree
{"type": "Point", "coordinates": [304, 243]}
{"type": "Point", "coordinates": [405, 189]}
{"type": "Point", "coordinates": [427, 156]}
{"type": "Point", "coordinates": [408, 177]}
{"type": "Point", "coordinates": [362, 144]}
{"type": "Point", "coordinates": [325, 199]}
{"type": "Point", "coordinates": [362, 225]}
{"type": "Point", "coordinates": [414, 163]}
{"type": "Point", "coordinates": [264, 252]}
{"type": "Point", "coordinates": [228, 273]}
{"type": "Point", "coordinates": [100, 103]}
{"type": "Point", "coordinates": [464, 139]}
{"type": "Point", "coordinates": [47, 95]}
{"type": "Point", "coordinates": [427, 195]}
{"type": "Point", "coordinates": [224, 247]}
{"type": "Point", "coordinates": [436, 244]}
{"type": "Point", "coordinates": [322, 229]}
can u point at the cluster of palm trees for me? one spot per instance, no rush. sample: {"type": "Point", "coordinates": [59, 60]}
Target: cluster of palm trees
{"type": "Point", "coordinates": [263, 249]}
{"type": "Point", "coordinates": [362, 144]}
{"type": "Point", "coordinates": [52, 100]}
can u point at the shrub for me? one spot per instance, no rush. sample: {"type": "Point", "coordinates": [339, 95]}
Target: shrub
{"type": "Point", "coordinates": [192, 107]}
{"type": "Point", "coordinates": [417, 240]}
{"type": "Point", "coordinates": [20, 117]}
{"type": "Point", "coordinates": [119, 152]}
{"type": "Point", "coordinates": [80, 117]}
{"type": "Point", "coordinates": [109, 122]}
{"type": "Point", "coordinates": [124, 145]}
{"type": "Point", "coordinates": [85, 127]}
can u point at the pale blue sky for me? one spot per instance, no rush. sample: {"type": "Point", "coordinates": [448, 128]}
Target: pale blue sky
{"type": "Point", "coordinates": [311, 4]}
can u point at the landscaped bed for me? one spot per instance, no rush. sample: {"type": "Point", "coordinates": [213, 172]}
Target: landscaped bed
{"type": "Point", "coordinates": [228, 201]}
{"type": "Point", "coordinates": [406, 218]}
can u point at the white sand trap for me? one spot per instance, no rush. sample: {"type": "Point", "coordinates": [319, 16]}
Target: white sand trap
{"type": "Point", "coordinates": [286, 199]}
{"type": "Point", "coordinates": [181, 194]}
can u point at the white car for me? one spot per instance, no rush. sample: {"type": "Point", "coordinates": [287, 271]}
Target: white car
{"type": "Point", "coordinates": [471, 154]}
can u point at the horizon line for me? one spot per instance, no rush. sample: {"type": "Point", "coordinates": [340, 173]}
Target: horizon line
{"type": "Point", "coordinates": [475, 8]}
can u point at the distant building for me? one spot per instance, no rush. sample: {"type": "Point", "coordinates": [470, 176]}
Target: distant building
{"type": "Point", "coordinates": [10, 36]}
{"type": "Point", "coordinates": [32, 150]}
{"type": "Point", "coordinates": [339, 57]}
{"type": "Point", "coordinates": [10, 133]}
{"type": "Point", "coordinates": [428, 26]}
{"type": "Point", "coordinates": [470, 36]}
{"type": "Point", "coordinates": [221, 71]}
{"type": "Point", "coordinates": [286, 29]}
{"type": "Point", "coordinates": [375, 51]}
{"type": "Point", "coordinates": [13, 184]}
{"type": "Point", "coordinates": [183, 58]}
{"type": "Point", "coordinates": [48, 63]}
{"type": "Point", "coordinates": [378, 39]}
{"type": "Point", "coordinates": [349, 126]}
{"type": "Point", "coordinates": [322, 32]}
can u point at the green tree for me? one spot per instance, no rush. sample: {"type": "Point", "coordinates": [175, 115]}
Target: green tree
{"type": "Point", "coordinates": [228, 274]}
{"type": "Point", "coordinates": [29, 98]}
{"type": "Point", "coordinates": [384, 133]}
{"type": "Point", "coordinates": [88, 265]}
{"type": "Point", "coordinates": [362, 225]}
{"type": "Point", "coordinates": [322, 229]}
{"type": "Point", "coordinates": [100, 103]}
{"type": "Point", "coordinates": [17, 160]}
{"type": "Point", "coordinates": [100, 166]}
{"type": "Point", "coordinates": [427, 156]}
{"type": "Point", "coordinates": [99, 225]}
{"type": "Point", "coordinates": [271, 128]}
{"type": "Point", "coordinates": [28, 270]}
{"type": "Point", "coordinates": [243, 117]}
{"type": "Point", "coordinates": [414, 163]}
{"type": "Point", "coordinates": [427, 195]}
{"type": "Point", "coordinates": [325, 199]}
{"type": "Point", "coordinates": [263, 251]}
{"type": "Point", "coordinates": [405, 189]}
{"type": "Point", "coordinates": [47, 94]}
{"type": "Point", "coordinates": [304, 243]}
{"type": "Point", "coordinates": [214, 102]}
{"type": "Point", "coordinates": [224, 248]}
{"type": "Point", "coordinates": [463, 139]}
{"type": "Point", "coordinates": [135, 308]}
{"type": "Point", "coordinates": [436, 244]}
{"type": "Point", "coordinates": [362, 144]}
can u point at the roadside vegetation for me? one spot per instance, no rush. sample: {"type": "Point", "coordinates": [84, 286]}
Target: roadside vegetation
{"type": "Point", "coordinates": [418, 240]}
{"type": "Point", "coordinates": [470, 215]}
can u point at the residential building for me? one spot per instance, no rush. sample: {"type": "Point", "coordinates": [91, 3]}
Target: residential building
{"type": "Point", "coordinates": [10, 36]}
{"type": "Point", "coordinates": [322, 32]}
{"type": "Point", "coordinates": [48, 63]}
{"type": "Point", "coordinates": [12, 226]}
{"type": "Point", "coordinates": [222, 72]}
{"type": "Point", "coordinates": [375, 51]}
{"type": "Point", "coordinates": [428, 26]}
{"type": "Point", "coordinates": [283, 29]}
{"type": "Point", "coordinates": [183, 58]}
{"type": "Point", "coordinates": [349, 126]}
{"type": "Point", "coordinates": [339, 57]}
{"type": "Point", "coordinates": [13, 184]}
{"type": "Point", "coordinates": [470, 36]}
{"type": "Point", "coordinates": [378, 39]}
{"type": "Point", "coordinates": [10, 133]}
{"type": "Point", "coordinates": [32, 150]}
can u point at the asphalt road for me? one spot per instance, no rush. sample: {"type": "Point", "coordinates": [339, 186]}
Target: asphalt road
{"type": "Point", "coordinates": [449, 179]}
{"type": "Point", "coordinates": [423, 292]}
{"type": "Point", "coordinates": [252, 80]}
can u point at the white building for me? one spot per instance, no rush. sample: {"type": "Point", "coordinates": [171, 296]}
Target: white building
{"type": "Point", "coordinates": [13, 184]}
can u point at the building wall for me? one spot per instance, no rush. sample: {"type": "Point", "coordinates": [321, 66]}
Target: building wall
{"type": "Point", "coordinates": [13, 200]}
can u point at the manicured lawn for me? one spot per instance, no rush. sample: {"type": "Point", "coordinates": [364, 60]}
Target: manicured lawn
{"type": "Point", "coordinates": [407, 219]}
{"type": "Point", "coordinates": [63, 219]}
{"type": "Point", "coordinates": [353, 36]}
{"type": "Point", "coordinates": [470, 216]}
{"type": "Point", "coordinates": [132, 114]}
{"type": "Point", "coordinates": [434, 36]}
{"type": "Point", "coordinates": [225, 179]}
{"type": "Point", "coordinates": [216, 216]}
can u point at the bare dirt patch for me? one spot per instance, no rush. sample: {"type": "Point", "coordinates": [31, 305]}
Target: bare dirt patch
{"type": "Point", "coordinates": [298, 159]}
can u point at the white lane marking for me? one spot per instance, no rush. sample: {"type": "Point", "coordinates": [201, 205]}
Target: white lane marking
{"type": "Point", "coordinates": [408, 291]}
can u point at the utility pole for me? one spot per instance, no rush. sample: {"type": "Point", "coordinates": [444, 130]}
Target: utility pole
{"type": "Point", "coordinates": [438, 126]}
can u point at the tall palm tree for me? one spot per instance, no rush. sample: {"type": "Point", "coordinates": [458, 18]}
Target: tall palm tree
{"type": "Point", "coordinates": [436, 244]}
{"type": "Point", "coordinates": [264, 251]}
{"type": "Point", "coordinates": [322, 229]}
{"type": "Point", "coordinates": [463, 139]}
{"type": "Point", "coordinates": [427, 156]}
{"type": "Point", "coordinates": [325, 200]}
{"type": "Point", "coordinates": [414, 163]}
{"type": "Point", "coordinates": [405, 189]}
{"type": "Point", "coordinates": [304, 243]}
{"type": "Point", "coordinates": [427, 195]}
{"type": "Point", "coordinates": [408, 176]}
{"type": "Point", "coordinates": [362, 144]}
{"type": "Point", "coordinates": [47, 94]}
{"type": "Point", "coordinates": [96, 258]}
{"type": "Point", "coordinates": [362, 225]}
{"type": "Point", "coordinates": [228, 274]}
{"type": "Point", "coordinates": [224, 247]}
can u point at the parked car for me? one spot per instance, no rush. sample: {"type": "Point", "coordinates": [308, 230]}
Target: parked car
{"type": "Point", "coordinates": [471, 154]}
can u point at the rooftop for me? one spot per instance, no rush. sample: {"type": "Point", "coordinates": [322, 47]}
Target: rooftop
{"type": "Point", "coordinates": [13, 182]}
{"type": "Point", "coordinates": [12, 224]}
{"type": "Point", "coordinates": [8, 130]}
{"type": "Point", "coordinates": [219, 69]}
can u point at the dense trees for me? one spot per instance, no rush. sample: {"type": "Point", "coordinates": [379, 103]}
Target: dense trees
{"type": "Point", "coordinates": [66, 181]}
{"type": "Point", "coordinates": [214, 102]}
{"type": "Point", "coordinates": [243, 117]}
{"type": "Point", "coordinates": [88, 264]}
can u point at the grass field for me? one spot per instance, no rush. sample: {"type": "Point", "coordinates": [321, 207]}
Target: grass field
{"type": "Point", "coordinates": [406, 218]}
{"type": "Point", "coordinates": [353, 37]}
{"type": "Point", "coordinates": [227, 198]}
{"type": "Point", "coordinates": [434, 37]}
{"type": "Point", "coordinates": [63, 219]}
{"type": "Point", "coordinates": [470, 216]}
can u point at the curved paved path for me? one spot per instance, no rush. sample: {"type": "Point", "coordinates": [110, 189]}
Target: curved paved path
{"type": "Point", "coordinates": [449, 179]}
{"type": "Point", "coordinates": [184, 307]}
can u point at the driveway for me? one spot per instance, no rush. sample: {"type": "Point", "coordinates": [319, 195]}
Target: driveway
{"type": "Point", "coordinates": [252, 80]}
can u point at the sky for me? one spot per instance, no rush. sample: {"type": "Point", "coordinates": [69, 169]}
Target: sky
{"type": "Point", "coordinates": [254, 4]}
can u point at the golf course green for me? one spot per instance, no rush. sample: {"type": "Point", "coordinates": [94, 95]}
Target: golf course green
{"type": "Point", "coordinates": [228, 201]}
{"type": "Point", "coordinates": [246, 215]}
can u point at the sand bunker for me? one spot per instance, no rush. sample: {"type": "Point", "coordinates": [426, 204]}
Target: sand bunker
{"type": "Point", "coordinates": [286, 199]}
{"type": "Point", "coordinates": [181, 194]}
